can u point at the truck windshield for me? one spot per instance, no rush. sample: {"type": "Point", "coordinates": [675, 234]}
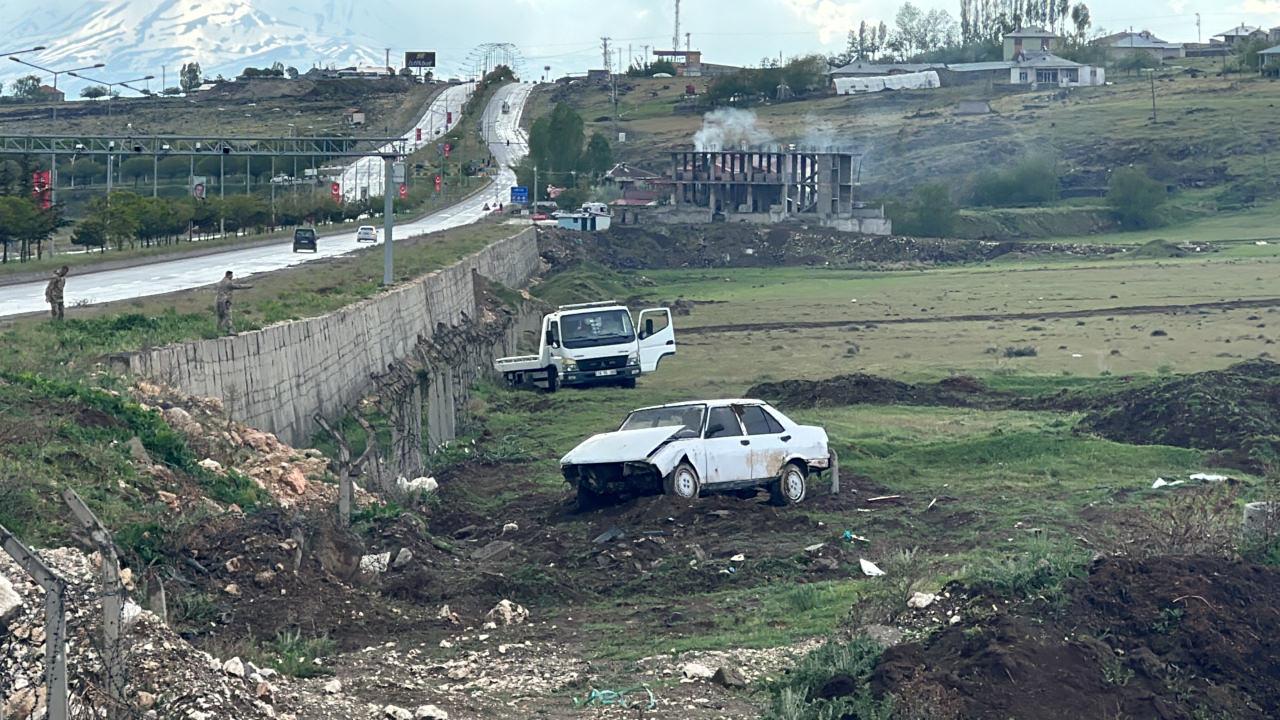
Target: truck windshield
{"type": "Point", "coordinates": [689, 416]}
{"type": "Point", "coordinates": [605, 327]}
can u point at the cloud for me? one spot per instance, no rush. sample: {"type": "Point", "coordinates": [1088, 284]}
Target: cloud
{"type": "Point", "coordinates": [1178, 6]}
{"type": "Point", "coordinates": [1260, 7]}
{"type": "Point", "coordinates": [831, 18]}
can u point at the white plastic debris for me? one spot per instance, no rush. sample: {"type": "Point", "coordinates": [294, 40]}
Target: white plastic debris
{"type": "Point", "coordinates": [738, 558]}
{"type": "Point", "coordinates": [869, 568]}
{"type": "Point", "coordinates": [1076, 355]}
{"type": "Point", "coordinates": [376, 563]}
{"type": "Point", "coordinates": [1259, 242]}
{"type": "Point", "coordinates": [1161, 482]}
{"type": "Point", "coordinates": [422, 484]}
{"type": "Point", "coordinates": [1208, 477]}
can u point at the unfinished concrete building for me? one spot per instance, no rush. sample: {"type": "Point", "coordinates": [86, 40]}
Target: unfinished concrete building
{"type": "Point", "coordinates": [769, 187]}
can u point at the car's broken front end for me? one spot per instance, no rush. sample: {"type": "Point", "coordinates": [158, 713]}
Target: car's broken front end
{"type": "Point", "coordinates": [598, 481]}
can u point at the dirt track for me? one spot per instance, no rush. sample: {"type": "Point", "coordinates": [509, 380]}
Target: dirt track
{"type": "Point", "coordinates": [988, 317]}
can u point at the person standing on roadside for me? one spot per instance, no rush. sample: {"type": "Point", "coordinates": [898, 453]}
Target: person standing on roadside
{"type": "Point", "coordinates": [222, 305]}
{"type": "Point", "coordinates": [53, 292]}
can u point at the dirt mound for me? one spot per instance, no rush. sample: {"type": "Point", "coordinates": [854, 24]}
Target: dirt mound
{"type": "Point", "coordinates": [1232, 411]}
{"type": "Point", "coordinates": [1159, 249]}
{"type": "Point", "coordinates": [737, 245]}
{"type": "Point", "coordinates": [860, 388]}
{"type": "Point", "coordinates": [1159, 638]}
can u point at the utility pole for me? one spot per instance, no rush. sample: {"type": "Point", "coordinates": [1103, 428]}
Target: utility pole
{"type": "Point", "coordinates": [388, 221]}
{"type": "Point", "coordinates": [1152, 72]}
{"type": "Point", "coordinates": [222, 193]}
{"type": "Point", "coordinates": [1197, 28]}
{"type": "Point", "coordinates": [675, 34]}
{"type": "Point", "coordinates": [604, 50]}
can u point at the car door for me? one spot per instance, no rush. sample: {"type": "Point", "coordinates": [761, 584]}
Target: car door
{"type": "Point", "coordinates": [657, 337]}
{"type": "Point", "coordinates": [768, 448]}
{"type": "Point", "coordinates": [726, 448]}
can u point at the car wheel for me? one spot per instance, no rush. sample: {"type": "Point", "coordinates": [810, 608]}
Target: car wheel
{"type": "Point", "coordinates": [790, 486]}
{"type": "Point", "coordinates": [682, 482]}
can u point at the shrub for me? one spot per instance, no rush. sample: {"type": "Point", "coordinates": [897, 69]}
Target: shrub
{"type": "Point", "coordinates": [1031, 181]}
{"type": "Point", "coordinates": [1135, 199]}
{"type": "Point", "coordinates": [1025, 351]}
{"type": "Point", "coordinates": [854, 660]}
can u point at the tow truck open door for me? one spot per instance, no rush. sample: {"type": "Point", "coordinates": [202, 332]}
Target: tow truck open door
{"type": "Point", "coordinates": [657, 337]}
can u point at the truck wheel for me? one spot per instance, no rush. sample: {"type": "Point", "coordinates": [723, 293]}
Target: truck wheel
{"type": "Point", "coordinates": [553, 379]}
{"type": "Point", "coordinates": [682, 482]}
{"type": "Point", "coordinates": [789, 488]}
{"type": "Point", "coordinates": [628, 383]}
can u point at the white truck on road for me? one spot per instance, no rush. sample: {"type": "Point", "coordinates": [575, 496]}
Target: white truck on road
{"type": "Point", "coordinates": [593, 343]}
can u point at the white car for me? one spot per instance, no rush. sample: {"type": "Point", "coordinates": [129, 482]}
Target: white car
{"type": "Point", "coordinates": [686, 449]}
{"type": "Point", "coordinates": [366, 233]}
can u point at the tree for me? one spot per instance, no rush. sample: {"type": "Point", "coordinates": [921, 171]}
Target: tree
{"type": "Point", "coordinates": [20, 222]}
{"type": "Point", "coordinates": [171, 91]}
{"type": "Point", "coordinates": [93, 92]}
{"type": "Point", "coordinates": [1135, 199]}
{"type": "Point", "coordinates": [291, 72]}
{"type": "Point", "coordinates": [934, 210]}
{"type": "Point", "coordinates": [1081, 20]}
{"type": "Point", "coordinates": [598, 157]}
{"type": "Point", "coordinates": [26, 87]}
{"type": "Point", "coordinates": [190, 77]}
{"type": "Point", "coordinates": [136, 169]}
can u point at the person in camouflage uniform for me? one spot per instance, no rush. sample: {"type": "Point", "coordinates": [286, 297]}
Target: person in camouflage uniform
{"type": "Point", "coordinates": [53, 292]}
{"type": "Point", "coordinates": [222, 305]}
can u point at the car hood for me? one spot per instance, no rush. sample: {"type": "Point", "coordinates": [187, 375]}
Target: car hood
{"type": "Point", "coordinates": [620, 446]}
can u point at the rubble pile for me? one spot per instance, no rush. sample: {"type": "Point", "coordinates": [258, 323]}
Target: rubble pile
{"type": "Point", "coordinates": [292, 476]}
{"type": "Point", "coordinates": [164, 675]}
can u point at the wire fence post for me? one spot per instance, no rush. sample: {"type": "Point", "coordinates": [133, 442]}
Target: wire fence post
{"type": "Point", "coordinates": [835, 472]}
{"type": "Point", "coordinates": [55, 619]}
{"type": "Point", "coordinates": [112, 600]}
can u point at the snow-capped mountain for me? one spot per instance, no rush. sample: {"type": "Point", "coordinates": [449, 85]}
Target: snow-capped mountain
{"type": "Point", "coordinates": [138, 37]}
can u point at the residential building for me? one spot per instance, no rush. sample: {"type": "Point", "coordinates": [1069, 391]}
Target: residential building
{"type": "Point", "coordinates": [1273, 36]}
{"type": "Point", "coordinates": [353, 116]}
{"type": "Point", "coordinates": [1269, 61]}
{"type": "Point", "coordinates": [1049, 69]}
{"type": "Point", "coordinates": [1028, 40]}
{"type": "Point", "coordinates": [866, 68]}
{"type": "Point", "coordinates": [1124, 44]}
{"type": "Point", "coordinates": [636, 185]}
{"type": "Point", "coordinates": [1240, 34]}
{"type": "Point", "coordinates": [50, 94]}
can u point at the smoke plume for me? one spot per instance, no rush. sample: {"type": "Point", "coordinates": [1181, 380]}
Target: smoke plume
{"type": "Point", "coordinates": [732, 129]}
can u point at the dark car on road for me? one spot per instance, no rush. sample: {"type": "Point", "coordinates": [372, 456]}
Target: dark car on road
{"type": "Point", "coordinates": [304, 239]}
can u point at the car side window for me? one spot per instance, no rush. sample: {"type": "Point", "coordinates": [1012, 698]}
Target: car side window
{"type": "Point", "coordinates": [774, 425]}
{"type": "Point", "coordinates": [758, 422]}
{"type": "Point", "coordinates": [722, 423]}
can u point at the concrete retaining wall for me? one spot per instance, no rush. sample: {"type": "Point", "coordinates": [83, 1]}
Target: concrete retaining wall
{"type": "Point", "coordinates": [279, 377]}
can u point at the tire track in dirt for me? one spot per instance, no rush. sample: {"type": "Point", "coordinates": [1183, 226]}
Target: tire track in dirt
{"type": "Point", "coordinates": [987, 317]}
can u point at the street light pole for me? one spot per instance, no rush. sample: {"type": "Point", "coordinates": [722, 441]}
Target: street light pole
{"type": "Point", "coordinates": [388, 221]}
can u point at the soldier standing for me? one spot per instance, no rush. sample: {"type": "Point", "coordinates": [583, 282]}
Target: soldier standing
{"type": "Point", "coordinates": [53, 292]}
{"type": "Point", "coordinates": [223, 303]}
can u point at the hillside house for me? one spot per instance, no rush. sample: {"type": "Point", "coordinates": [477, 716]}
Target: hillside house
{"type": "Point", "coordinates": [1125, 44]}
{"type": "Point", "coordinates": [353, 116]}
{"type": "Point", "coordinates": [635, 185]}
{"type": "Point", "coordinates": [1240, 34]}
{"type": "Point", "coordinates": [48, 93]}
{"type": "Point", "coordinates": [1049, 69]}
{"type": "Point", "coordinates": [1025, 41]}
{"type": "Point", "coordinates": [866, 68]}
{"type": "Point", "coordinates": [1269, 61]}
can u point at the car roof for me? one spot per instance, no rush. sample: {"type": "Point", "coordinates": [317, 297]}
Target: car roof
{"type": "Point", "coordinates": [723, 402]}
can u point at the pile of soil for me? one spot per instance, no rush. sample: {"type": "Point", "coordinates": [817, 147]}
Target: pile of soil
{"type": "Point", "coordinates": [1170, 637]}
{"type": "Point", "coordinates": [860, 388]}
{"type": "Point", "coordinates": [1232, 411]}
{"type": "Point", "coordinates": [739, 245]}
{"type": "Point", "coordinates": [1159, 249]}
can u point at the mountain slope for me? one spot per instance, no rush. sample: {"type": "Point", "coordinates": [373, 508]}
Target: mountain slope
{"type": "Point", "coordinates": [136, 38]}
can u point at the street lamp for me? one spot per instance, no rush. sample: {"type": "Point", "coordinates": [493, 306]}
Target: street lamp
{"type": "Point", "coordinates": [123, 83]}
{"type": "Point", "coordinates": [19, 52]}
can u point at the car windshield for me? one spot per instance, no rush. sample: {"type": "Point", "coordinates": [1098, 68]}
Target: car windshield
{"type": "Point", "coordinates": [304, 233]}
{"type": "Point", "coordinates": [604, 327]}
{"type": "Point", "coordinates": [689, 416]}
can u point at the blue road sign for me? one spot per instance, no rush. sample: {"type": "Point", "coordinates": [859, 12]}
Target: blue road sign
{"type": "Point", "coordinates": [520, 195]}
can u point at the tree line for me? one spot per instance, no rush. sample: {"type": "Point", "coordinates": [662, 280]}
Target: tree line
{"type": "Point", "coordinates": [937, 36]}
{"type": "Point", "coordinates": [564, 156]}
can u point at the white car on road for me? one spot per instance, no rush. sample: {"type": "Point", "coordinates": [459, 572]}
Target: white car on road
{"type": "Point", "coordinates": [366, 233]}
{"type": "Point", "coordinates": [686, 449]}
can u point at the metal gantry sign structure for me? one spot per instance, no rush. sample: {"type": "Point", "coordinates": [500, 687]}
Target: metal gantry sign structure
{"type": "Point", "coordinates": [126, 144]}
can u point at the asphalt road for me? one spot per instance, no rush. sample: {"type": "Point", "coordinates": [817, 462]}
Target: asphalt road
{"type": "Point", "coordinates": [172, 275]}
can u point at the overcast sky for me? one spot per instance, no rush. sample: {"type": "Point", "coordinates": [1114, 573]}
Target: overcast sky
{"type": "Point", "coordinates": [566, 33]}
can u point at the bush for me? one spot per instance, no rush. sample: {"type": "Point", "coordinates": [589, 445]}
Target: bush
{"type": "Point", "coordinates": [854, 660]}
{"type": "Point", "coordinates": [1135, 199]}
{"type": "Point", "coordinates": [1030, 182]}
{"type": "Point", "coordinates": [931, 212]}
{"type": "Point", "coordinates": [1024, 351]}
{"type": "Point", "coordinates": [1040, 571]}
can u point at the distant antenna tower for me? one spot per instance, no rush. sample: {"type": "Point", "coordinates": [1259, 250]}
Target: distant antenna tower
{"type": "Point", "coordinates": [687, 44]}
{"type": "Point", "coordinates": [1197, 28]}
{"type": "Point", "coordinates": [604, 48]}
{"type": "Point", "coordinates": [675, 35]}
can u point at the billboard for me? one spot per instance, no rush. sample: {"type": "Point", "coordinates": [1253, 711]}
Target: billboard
{"type": "Point", "coordinates": [40, 188]}
{"type": "Point", "coordinates": [416, 59]}
{"type": "Point", "coordinates": [520, 195]}
{"type": "Point", "coordinates": [404, 191]}
{"type": "Point", "coordinates": [335, 192]}
{"type": "Point", "coordinates": [198, 185]}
